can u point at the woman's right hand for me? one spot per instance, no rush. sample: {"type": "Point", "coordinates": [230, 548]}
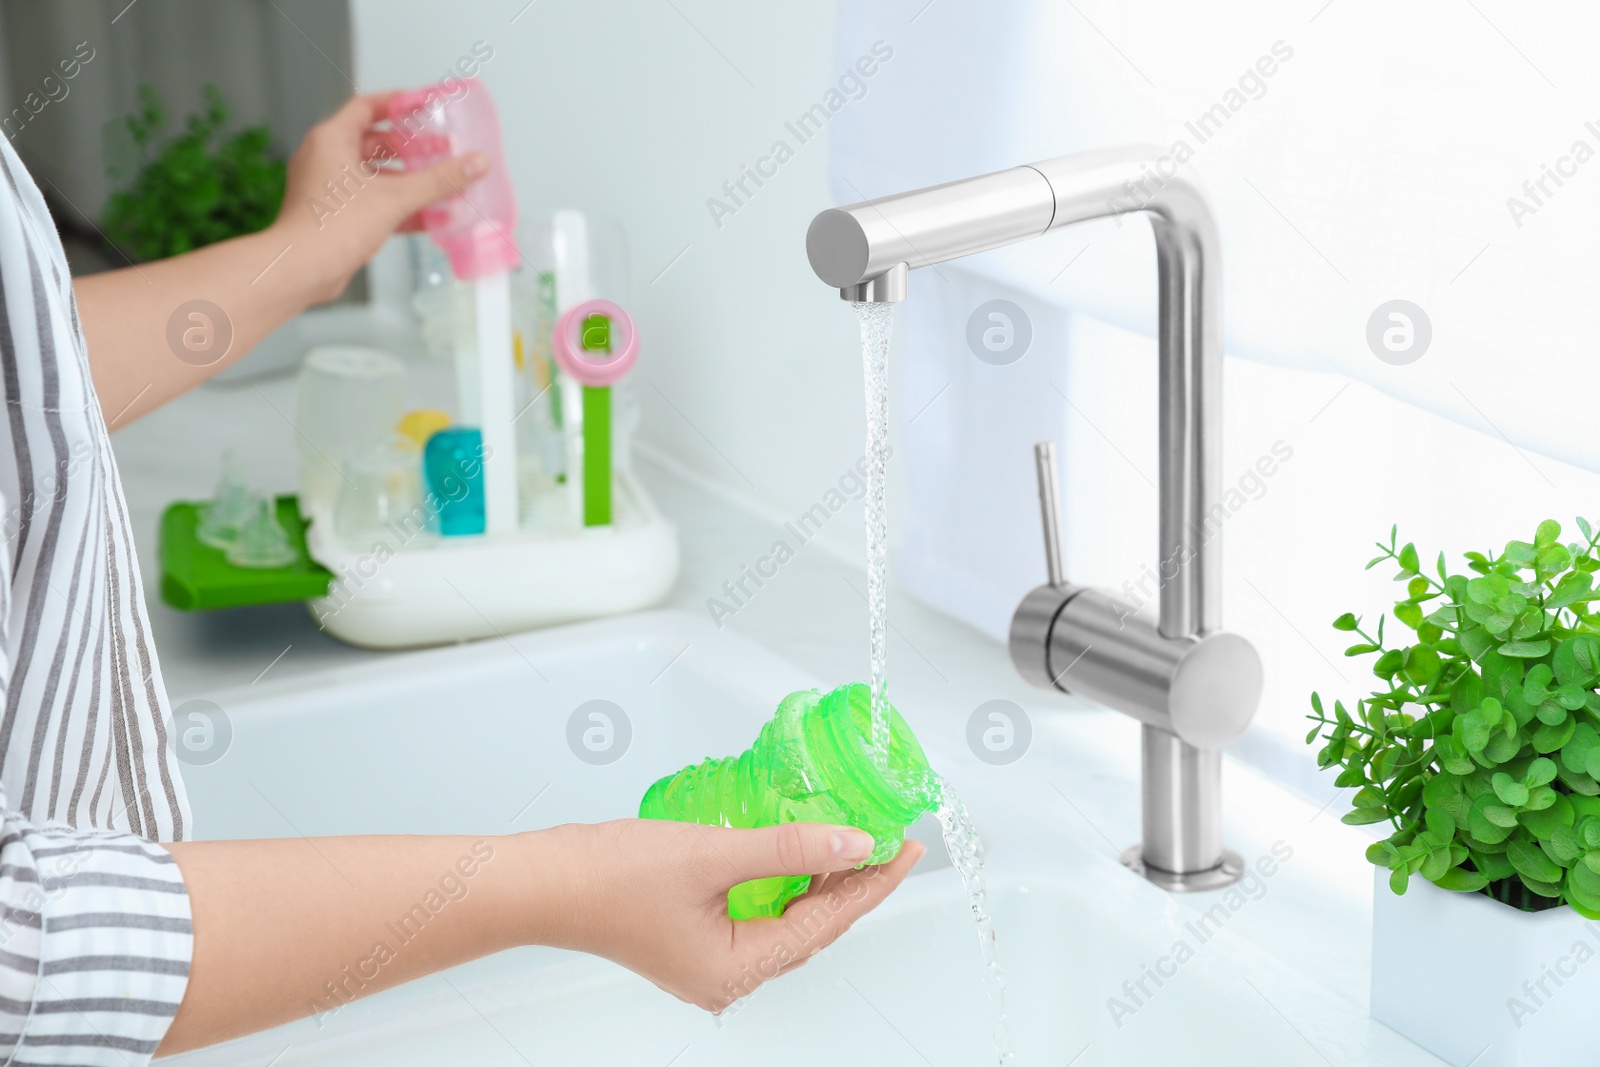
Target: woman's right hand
{"type": "Point", "coordinates": [652, 896]}
{"type": "Point", "coordinates": [340, 204]}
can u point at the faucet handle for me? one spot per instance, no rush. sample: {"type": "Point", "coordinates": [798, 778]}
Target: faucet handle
{"type": "Point", "coordinates": [1044, 461]}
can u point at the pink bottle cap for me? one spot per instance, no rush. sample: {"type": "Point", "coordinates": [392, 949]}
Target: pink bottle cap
{"type": "Point", "coordinates": [591, 351]}
{"type": "Point", "coordinates": [474, 226]}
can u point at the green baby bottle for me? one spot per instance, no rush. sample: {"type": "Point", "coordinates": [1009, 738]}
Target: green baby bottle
{"type": "Point", "coordinates": [813, 762]}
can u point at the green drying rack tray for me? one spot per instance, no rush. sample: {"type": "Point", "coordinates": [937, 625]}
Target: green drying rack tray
{"type": "Point", "coordinates": [197, 577]}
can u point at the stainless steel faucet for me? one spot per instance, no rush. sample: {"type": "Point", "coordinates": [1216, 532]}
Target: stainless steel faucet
{"type": "Point", "coordinates": [1192, 686]}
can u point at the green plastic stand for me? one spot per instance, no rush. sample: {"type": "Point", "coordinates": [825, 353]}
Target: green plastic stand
{"type": "Point", "coordinates": [197, 577]}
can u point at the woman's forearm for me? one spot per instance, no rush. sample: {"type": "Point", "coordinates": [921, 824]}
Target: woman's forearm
{"type": "Point", "coordinates": [157, 330]}
{"type": "Point", "coordinates": [284, 929]}
{"type": "Point", "coordinates": [296, 927]}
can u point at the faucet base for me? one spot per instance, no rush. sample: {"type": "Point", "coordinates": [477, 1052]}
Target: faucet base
{"type": "Point", "coordinates": [1224, 874]}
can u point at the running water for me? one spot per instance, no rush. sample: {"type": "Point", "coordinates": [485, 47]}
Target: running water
{"type": "Point", "coordinates": [960, 836]}
{"type": "Point", "coordinates": [877, 321]}
{"type": "Point", "coordinates": [966, 855]}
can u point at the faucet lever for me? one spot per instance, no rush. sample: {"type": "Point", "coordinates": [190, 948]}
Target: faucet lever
{"type": "Point", "coordinates": [1044, 461]}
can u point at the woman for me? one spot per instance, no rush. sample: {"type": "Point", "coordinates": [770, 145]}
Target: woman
{"type": "Point", "coordinates": [114, 947]}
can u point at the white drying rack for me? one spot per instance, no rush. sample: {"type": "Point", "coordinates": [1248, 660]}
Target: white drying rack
{"type": "Point", "coordinates": [536, 564]}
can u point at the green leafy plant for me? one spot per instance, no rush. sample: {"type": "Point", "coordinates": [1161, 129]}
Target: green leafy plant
{"type": "Point", "coordinates": [196, 188]}
{"type": "Point", "coordinates": [1481, 744]}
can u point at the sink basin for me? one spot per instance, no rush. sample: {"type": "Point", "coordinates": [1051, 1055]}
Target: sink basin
{"type": "Point", "coordinates": [474, 739]}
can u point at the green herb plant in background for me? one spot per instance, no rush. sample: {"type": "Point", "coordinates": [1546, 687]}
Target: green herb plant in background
{"type": "Point", "coordinates": [195, 188]}
{"type": "Point", "coordinates": [1481, 745]}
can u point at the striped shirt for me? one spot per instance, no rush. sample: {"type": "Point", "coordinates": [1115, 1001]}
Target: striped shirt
{"type": "Point", "coordinates": [95, 935]}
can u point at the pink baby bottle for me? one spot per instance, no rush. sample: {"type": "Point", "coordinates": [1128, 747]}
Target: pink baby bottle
{"type": "Point", "coordinates": [474, 229]}
{"type": "Point", "coordinates": [454, 118]}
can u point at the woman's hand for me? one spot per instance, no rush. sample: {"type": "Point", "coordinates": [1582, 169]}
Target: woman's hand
{"type": "Point", "coordinates": [652, 896]}
{"type": "Point", "coordinates": [344, 198]}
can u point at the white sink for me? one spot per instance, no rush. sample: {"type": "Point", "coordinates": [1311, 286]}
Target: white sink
{"type": "Point", "coordinates": [473, 740]}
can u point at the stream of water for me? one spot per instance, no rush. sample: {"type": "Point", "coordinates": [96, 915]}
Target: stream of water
{"type": "Point", "coordinates": [960, 836]}
{"type": "Point", "coordinates": [877, 321]}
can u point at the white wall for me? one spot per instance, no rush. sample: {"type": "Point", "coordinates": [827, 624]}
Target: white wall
{"type": "Point", "coordinates": [749, 372]}
{"type": "Point", "coordinates": [1358, 460]}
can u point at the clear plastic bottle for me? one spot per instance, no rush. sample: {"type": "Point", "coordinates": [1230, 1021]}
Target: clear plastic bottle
{"type": "Point", "coordinates": [812, 762]}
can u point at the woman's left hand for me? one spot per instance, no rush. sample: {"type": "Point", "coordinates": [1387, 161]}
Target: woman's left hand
{"type": "Point", "coordinates": [653, 896]}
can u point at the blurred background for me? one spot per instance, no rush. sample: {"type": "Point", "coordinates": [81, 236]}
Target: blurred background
{"type": "Point", "coordinates": [1350, 168]}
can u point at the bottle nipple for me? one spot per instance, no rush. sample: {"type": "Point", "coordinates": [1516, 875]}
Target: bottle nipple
{"type": "Point", "coordinates": [261, 542]}
{"type": "Point", "coordinates": [228, 508]}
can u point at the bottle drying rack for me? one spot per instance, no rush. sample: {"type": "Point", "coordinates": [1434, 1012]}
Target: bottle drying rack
{"type": "Point", "coordinates": [428, 590]}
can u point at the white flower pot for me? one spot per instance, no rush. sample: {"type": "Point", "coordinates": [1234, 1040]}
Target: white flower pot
{"type": "Point", "coordinates": [1476, 982]}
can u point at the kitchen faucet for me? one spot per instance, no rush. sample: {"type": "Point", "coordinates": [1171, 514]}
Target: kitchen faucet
{"type": "Point", "coordinates": [1192, 686]}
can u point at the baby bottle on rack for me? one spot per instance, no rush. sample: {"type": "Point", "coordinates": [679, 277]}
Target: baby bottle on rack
{"type": "Point", "coordinates": [474, 228]}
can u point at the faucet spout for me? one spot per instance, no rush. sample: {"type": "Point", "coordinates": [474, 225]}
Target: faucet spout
{"type": "Point", "coordinates": [852, 248]}
{"type": "Point", "coordinates": [886, 288]}
{"type": "Point", "coordinates": [1194, 687]}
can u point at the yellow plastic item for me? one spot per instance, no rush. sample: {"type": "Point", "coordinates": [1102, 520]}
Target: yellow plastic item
{"type": "Point", "coordinates": [541, 364]}
{"type": "Point", "coordinates": [423, 423]}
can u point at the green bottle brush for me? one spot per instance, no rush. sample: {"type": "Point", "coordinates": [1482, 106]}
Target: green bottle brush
{"type": "Point", "coordinates": [813, 762]}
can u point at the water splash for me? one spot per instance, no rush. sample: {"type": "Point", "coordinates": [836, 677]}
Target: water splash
{"type": "Point", "coordinates": [966, 855]}
{"type": "Point", "coordinates": [877, 323]}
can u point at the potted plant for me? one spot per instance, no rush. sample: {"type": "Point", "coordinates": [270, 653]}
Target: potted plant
{"type": "Point", "coordinates": [196, 188]}
{"type": "Point", "coordinates": [1480, 748]}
